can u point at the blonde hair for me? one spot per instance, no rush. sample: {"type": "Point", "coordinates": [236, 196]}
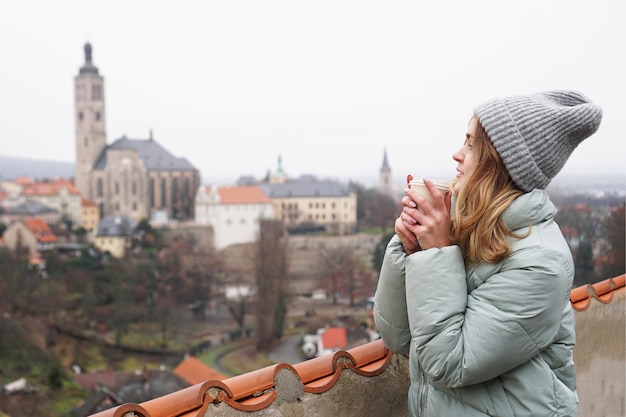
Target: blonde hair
{"type": "Point", "coordinates": [477, 225]}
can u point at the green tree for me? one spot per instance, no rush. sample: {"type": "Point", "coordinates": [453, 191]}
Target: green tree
{"type": "Point", "coordinates": [271, 270]}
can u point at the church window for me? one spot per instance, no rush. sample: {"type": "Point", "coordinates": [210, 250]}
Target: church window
{"type": "Point", "coordinates": [163, 189]}
{"type": "Point", "coordinates": [151, 191]}
{"type": "Point", "coordinates": [97, 116]}
{"type": "Point", "coordinates": [134, 188]}
{"type": "Point", "coordinates": [134, 206]}
{"type": "Point", "coordinates": [174, 191]}
{"type": "Point", "coordinates": [99, 188]}
{"type": "Point", "coordinates": [80, 116]}
{"type": "Point", "coordinates": [117, 188]}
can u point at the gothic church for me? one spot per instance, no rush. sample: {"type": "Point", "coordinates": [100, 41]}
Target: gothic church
{"type": "Point", "coordinates": [132, 177]}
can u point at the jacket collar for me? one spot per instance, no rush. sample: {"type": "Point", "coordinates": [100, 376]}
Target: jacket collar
{"type": "Point", "coordinates": [528, 209]}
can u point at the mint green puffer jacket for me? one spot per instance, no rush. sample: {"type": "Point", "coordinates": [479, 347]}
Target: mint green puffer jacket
{"type": "Point", "coordinates": [495, 340]}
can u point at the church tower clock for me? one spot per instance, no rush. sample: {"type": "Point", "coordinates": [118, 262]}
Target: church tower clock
{"type": "Point", "coordinates": [90, 122]}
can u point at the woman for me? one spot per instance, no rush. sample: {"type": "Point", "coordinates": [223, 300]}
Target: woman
{"type": "Point", "coordinates": [475, 286]}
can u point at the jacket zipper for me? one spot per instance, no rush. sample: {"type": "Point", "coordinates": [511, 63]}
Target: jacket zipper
{"type": "Point", "coordinates": [423, 394]}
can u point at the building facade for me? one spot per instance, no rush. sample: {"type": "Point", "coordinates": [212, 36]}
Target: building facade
{"type": "Point", "coordinates": [32, 234]}
{"type": "Point", "coordinates": [114, 235]}
{"type": "Point", "coordinates": [307, 204]}
{"type": "Point", "coordinates": [90, 215]}
{"type": "Point", "coordinates": [233, 212]}
{"type": "Point", "coordinates": [61, 195]}
{"type": "Point", "coordinates": [28, 209]}
{"type": "Point", "coordinates": [133, 177]}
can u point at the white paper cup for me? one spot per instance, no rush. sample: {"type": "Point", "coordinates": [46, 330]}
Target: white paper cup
{"type": "Point", "coordinates": [418, 185]}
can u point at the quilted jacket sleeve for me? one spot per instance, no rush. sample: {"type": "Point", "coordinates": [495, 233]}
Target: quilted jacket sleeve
{"type": "Point", "coordinates": [390, 306]}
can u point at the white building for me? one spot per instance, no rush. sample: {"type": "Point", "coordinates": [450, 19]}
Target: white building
{"type": "Point", "coordinates": [234, 212]}
{"type": "Point", "coordinates": [59, 194]}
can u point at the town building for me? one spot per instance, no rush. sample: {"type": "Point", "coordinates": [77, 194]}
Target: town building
{"type": "Point", "coordinates": [60, 194]}
{"type": "Point", "coordinates": [90, 215]}
{"type": "Point", "coordinates": [133, 177]}
{"type": "Point", "coordinates": [27, 209]}
{"type": "Point", "coordinates": [31, 234]}
{"type": "Point", "coordinates": [115, 235]}
{"type": "Point", "coordinates": [233, 212]}
{"type": "Point", "coordinates": [309, 204]}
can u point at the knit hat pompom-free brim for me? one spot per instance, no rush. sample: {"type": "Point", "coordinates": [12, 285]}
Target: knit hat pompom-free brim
{"type": "Point", "coordinates": [535, 135]}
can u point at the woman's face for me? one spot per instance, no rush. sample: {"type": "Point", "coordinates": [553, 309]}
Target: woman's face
{"type": "Point", "coordinates": [463, 156]}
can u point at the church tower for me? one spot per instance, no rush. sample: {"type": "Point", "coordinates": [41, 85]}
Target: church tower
{"type": "Point", "coordinates": [385, 175]}
{"type": "Point", "coordinates": [90, 122]}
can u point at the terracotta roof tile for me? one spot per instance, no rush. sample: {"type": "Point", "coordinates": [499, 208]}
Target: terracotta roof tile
{"type": "Point", "coordinates": [256, 390]}
{"type": "Point", "coordinates": [602, 291]}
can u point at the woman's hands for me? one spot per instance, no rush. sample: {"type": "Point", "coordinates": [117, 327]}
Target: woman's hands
{"type": "Point", "coordinates": [423, 225]}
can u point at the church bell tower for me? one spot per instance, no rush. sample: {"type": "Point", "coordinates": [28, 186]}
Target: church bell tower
{"type": "Point", "coordinates": [385, 176]}
{"type": "Point", "coordinates": [90, 122]}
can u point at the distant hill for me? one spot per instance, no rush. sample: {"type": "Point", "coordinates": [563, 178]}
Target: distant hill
{"type": "Point", "coordinates": [11, 168]}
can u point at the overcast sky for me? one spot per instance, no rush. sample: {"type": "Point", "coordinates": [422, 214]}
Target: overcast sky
{"type": "Point", "coordinates": [327, 85]}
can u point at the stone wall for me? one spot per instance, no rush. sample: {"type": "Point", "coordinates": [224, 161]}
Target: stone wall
{"type": "Point", "coordinates": [600, 355]}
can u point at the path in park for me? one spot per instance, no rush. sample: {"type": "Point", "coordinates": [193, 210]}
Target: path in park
{"type": "Point", "coordinates": [288, 351]}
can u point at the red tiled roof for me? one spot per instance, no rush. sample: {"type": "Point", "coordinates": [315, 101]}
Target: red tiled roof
{"type": "Point", "coordinates": [194, 371]}
{"type": "Point", "coordinates": [248, 194]}
{"type": "Point", "coordinates": [85, 202]}
{"type": "Point", "coordinates": [49, 188]}
{"type": "Point", "coordinates": [24, 181]}
{"type": "Point", "coordinates": [256, 390]}
{"type": "Point", "coordinates": [335, 338]}
{"type": "Point", "coordinates": [40, 230]}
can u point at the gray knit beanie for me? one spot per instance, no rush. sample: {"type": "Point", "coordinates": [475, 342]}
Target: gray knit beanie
{"type": "Point", "coordinates": [534, 135]}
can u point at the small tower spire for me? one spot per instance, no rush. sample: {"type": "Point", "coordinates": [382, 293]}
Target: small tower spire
{"type": "Point", "coordinates": [88, 67]}
{"type": "Point", "coordinates": [385, 175]}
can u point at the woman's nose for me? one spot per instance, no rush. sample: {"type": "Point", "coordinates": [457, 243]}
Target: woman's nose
{"type": "Point", "coordinates": [458, 155]}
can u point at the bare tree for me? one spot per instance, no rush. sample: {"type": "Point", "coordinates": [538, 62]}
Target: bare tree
{"type": "Point", "coordinates": [614, 262]}
{"type": "Point", "coordinates": [238, 296]}
{"type": "Point", "coordinates": [344, 272]}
